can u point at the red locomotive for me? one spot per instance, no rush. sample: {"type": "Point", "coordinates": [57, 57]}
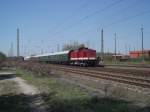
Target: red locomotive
{"type": "Point", "coordinates": [83, 57]}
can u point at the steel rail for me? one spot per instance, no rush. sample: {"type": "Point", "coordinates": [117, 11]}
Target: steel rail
{"type": "Point", "coordinates": [145, 83]}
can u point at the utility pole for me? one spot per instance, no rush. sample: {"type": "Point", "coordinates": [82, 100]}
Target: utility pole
{"type": "Point", "coordinates": [18, 50]}
{"type": "Point", "coordinates": [129, 48]}
{"type": "Point", "coordinates": [115, 48]}
{"type": "Point", "coordinates": [42, 46]}
{"type": "Point", "coordinates": [29, 48]}
{"type": "Point", "coordinates": [102, 44]}
{"type": "Point", "coordinates": [87, 44]}
{"type": "Point", "coordinates": [142, 44]}
{"type": "Point", "coordinates": [58, 48]}
{"type": "Point", "coordinates": [11, 50]}
{"type": "Point", "coordinates": [108, 51]}
{"type": "Point", "coordinates": [134, 48]}
{"type": "Point", "coordinates": [126, 49]}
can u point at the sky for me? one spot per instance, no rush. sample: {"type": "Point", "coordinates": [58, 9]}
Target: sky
{"type": "Point", "coordinates": [46, 24]}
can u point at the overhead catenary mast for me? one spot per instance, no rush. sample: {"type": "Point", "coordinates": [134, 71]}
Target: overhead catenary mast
{"type": "Point", "coordinates": [11, 50]}
{"type": "Point", "coordinates": [142, 44]}
{"type": "Point", "coordinates": [126, 49]}
{"type": "Point", "coordinates": [58, 49]}
{"type": "Point", "coordinates": [115, 48]}
{"type": "Point", "coordinates": [18, 49]}
{"type": "Point", "coordinates": [102, 44]}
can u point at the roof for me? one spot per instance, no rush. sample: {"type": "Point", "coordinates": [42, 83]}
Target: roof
{"type": "Point", "coordinates": [50, 54]}
{"type": "Point", "coordinates": [118, 55]}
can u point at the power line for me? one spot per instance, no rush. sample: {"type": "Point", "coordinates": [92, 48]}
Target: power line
{"type": "Point", "coordinates": [123, 20]}
{"type": "Point", "coordinates": [71, 16]}
{"type": "Point", "coordinates": [90, 15]}
{"type": "Point", "coordinates": [128, 18]}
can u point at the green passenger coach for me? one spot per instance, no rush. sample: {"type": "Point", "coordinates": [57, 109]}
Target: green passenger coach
{"type": "Point", "coordinates": [58, 57]}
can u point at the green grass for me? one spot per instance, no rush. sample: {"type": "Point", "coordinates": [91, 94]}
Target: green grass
{"type": "Point", "coordinates": [8, 87]}
{"type": "Point", "coordinates": [60, 96]}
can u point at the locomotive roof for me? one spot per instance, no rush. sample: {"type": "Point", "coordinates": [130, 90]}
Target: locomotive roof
{"type": "Point", "coordinates": [84, 49]}
{"type": "Point", "coordinates": [49, 54]}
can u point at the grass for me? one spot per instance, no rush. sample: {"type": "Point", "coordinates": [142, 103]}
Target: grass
{"type": "Point", "coordinates": [60, 96]}
{"type": "Point", "coordinates": [8, 87]}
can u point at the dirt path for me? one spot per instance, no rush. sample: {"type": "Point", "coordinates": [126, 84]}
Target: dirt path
{"type": "Point", "coordinates": [26, 89]}
{"type": "Point", "coordinates": [36, 102]}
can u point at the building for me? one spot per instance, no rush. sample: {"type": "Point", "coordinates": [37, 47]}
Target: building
{"type": "Point", "coordinates": [137, 54]}
{"type": "Point", "coordinates": [121, 57]}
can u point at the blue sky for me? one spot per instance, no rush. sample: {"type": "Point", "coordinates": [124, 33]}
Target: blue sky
{"type": "Point", "coordinates": [44, 24]}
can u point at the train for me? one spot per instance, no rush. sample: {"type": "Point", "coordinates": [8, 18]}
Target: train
{"type": "Point", "coordinates": [82, 57]}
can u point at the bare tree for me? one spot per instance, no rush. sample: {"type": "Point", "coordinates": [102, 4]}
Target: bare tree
{"type": "Point", "coordinates": [73, 46]}
{"type": "Point", "coordinates": [2, 58]}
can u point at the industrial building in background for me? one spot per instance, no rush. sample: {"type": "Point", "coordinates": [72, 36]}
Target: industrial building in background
{"type": "Point", "coordinates": [138, 54]}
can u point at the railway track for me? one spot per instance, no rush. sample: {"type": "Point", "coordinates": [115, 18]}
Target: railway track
{"type": "Point", "coordinates": [129, 72]}
{"type": "Point", "coordinates": [117, 77]}
{"type": "Point", "coordinates": [130, 66]}
{"type": "Point", "coordinates": [136, 73]}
